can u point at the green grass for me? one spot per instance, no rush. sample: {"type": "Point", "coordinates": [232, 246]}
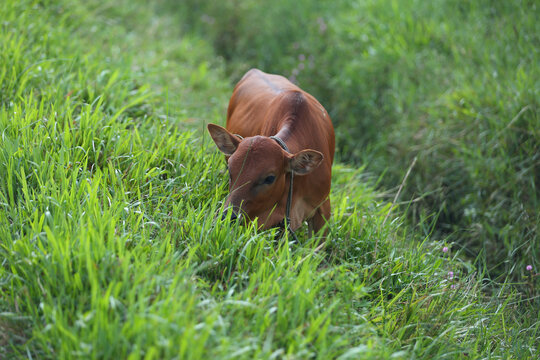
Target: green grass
{"type": "Point", "coordinates": [110, 248]}
{"type": "Point", "coordinates": [454, 84]}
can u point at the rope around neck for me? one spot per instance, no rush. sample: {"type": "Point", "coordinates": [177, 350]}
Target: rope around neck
{"type": "Point", "coordinates": [289, 196]}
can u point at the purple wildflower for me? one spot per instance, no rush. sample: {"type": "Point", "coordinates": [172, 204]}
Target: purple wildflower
{"type": "Point", "coordinates": [322, 25]}
{"type": "Point", "coordinates": [445, 249]}
{"type": "Point", "coordinates": [529, 267]}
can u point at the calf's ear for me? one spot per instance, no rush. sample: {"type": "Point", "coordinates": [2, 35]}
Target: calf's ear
{"type": "Point", "coordinates": [305, 161]}
{"type": "Point", "coordinates": [226, 142]}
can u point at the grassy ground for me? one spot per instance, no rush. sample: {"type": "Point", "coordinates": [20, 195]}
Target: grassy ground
{"type": "Point", "coordinates": [454, 84]}
{"type": "Point", "coordinates": [108, 243]}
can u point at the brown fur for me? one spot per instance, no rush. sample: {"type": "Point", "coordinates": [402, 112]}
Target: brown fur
{"type": "Point", "coordinates": [263, 105]}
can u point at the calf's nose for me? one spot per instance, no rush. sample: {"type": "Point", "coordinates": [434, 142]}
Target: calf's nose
{"type": "Point", "coordinates": [234, 216]}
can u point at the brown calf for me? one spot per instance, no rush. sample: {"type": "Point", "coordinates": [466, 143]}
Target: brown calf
{"type": "Point", "coordinates": [260, 166]}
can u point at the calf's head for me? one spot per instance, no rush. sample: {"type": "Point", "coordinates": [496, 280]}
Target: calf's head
{"type": "Point", "coordinates": [257, 169]}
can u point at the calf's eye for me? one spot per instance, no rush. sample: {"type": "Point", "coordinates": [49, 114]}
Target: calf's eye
{"type": "Point", "coordinates": [269, 179]}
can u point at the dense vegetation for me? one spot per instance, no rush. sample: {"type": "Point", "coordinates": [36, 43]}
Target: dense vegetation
{"type": "Point", "coordinates": [454, 84]}
{"type": "Point", "coordinates": [108, 243]}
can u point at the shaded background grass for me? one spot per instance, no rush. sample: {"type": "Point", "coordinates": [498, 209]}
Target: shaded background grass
{"type": "Point", "coordinates": [108, 243]}
{"type": "Point", "coordinates": [453, 83]}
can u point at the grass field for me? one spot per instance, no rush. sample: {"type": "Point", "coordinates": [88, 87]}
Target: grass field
{"type": "Point", "coordinates": [452, 83]}
{"type": "Point", "coordinates": [110, 248]}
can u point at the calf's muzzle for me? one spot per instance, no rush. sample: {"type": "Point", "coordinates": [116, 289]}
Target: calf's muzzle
{"type": "Point", "coordinates": [234, 214]}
